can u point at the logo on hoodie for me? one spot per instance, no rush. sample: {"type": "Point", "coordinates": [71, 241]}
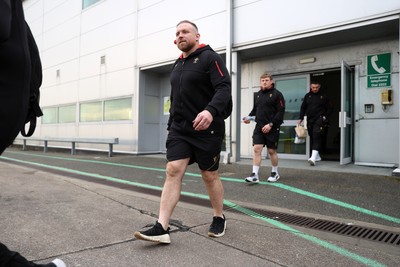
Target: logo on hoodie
{"type": "Point", "coordinates": [196, 60]}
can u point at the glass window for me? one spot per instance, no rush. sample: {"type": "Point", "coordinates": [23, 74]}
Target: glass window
{"type": "Point", "coordinates": [286, 141]}
{"type": "Point", "coordinates": [293, 91]}
{"type": "Point", "coordinates": [118, 109]}
{"type": "Point", "coordinates": [90, 112]}
{"type": "Point", "coordinates": [66, 114]}
{"type": "Point", "coordinates": [86, 3]}
{"type": "Point", "coordinates": [49, 115]}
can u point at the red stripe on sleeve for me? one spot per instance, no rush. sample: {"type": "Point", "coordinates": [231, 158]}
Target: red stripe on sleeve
{"type": "Point", "coordinates": [219, 69]}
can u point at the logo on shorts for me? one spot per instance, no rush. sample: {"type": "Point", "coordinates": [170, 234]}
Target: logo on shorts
{"type": "Point", "coordinates": [216, 158]}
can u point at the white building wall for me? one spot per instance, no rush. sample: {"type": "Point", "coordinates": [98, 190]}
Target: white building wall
{"type": "Point", "coordinates": [157, 24]}
{"type": "Point", "coordinates": [267, 20]}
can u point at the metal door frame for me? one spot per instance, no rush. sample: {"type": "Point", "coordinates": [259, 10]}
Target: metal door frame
{"type": "Point", "coordinates": [346, 116]}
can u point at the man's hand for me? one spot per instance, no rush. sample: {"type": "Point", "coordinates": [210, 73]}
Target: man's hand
{"type": "Point", "coordinates": [202, 121]}
{"type": "Point", "coordinates": [246, 120]}
{"type": "Point", "coordinates": [266, 129]}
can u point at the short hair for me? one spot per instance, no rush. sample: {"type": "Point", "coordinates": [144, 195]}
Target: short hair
{"type": "Point", "coordinates": [266, 75]}
{"type": "Point", "coordinates": [315, 82]}
{"type": "Point", "coordinates": [187, 21]}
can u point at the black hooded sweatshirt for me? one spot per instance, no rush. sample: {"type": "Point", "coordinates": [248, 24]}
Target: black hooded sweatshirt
{"type": "Point", "coordinates": [199, 82]}
{"type": "Point", "coordinates": [269, 107]}
{"type": "Point", "coordinates": [315, 105]}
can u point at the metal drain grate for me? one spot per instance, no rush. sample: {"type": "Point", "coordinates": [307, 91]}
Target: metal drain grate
{"type": "Point", "coordinates": [390, 238]}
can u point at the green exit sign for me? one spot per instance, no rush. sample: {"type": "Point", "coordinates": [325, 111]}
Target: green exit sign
{"type": "Point", "coordinates": [379, 70]}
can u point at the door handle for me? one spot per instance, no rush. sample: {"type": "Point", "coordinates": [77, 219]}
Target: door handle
{"type": "Point", "coordinates": [342, 119]}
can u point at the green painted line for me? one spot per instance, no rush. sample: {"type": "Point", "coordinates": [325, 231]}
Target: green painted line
{"type": "Point", "coordinates": [337, 202]}
{"type": "Point", "coordinates": [94, 175]}
{"type": "Point", "coordinates": [236, 180]}
{"type": "Point", "coordinates": [89, 161]}
{"type": "Point", "coordinates": [313, 239]}
{"type": "Point", "coordinates": [248, 212]}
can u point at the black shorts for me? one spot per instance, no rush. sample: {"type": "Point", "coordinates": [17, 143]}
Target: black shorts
{"type": "Point", "coordinates": [316, 126]}
{"type": "Point", "coordinates": [205, 150]}
{"type": "Point", "coordinates": [270, 140]}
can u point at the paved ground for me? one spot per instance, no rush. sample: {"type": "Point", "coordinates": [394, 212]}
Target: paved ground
{"type": "Point", "coordinates": [85, 208]}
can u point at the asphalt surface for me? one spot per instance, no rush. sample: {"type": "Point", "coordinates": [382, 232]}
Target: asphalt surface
{"type": "Point", "coordinates": [85, 208]}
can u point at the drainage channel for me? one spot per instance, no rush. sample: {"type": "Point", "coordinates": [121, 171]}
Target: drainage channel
{"type": "Point", "coordinates": [377, 235]}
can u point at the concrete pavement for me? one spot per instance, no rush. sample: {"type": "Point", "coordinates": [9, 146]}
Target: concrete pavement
{"type": "Point", "coordinates": [45, 215]}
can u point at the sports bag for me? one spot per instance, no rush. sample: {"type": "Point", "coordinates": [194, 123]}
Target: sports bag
{"type": "Point", "coordinates": [20, 74]}
{"type": "Point", "coordinates": [34, 110]}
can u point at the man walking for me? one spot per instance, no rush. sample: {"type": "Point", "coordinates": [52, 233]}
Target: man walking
{"type": "Point", "coordinates": [200, 101]}
{"type": "Point", "coordinates": [317, 107]}
{"type": "Point", "coordinates": [268, 109]}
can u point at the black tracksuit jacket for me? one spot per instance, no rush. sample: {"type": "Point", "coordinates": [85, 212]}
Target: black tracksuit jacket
{"type": "Point", "coordinates": [315, 106]}
{"type": "Point", "coordinates": [199, 82]}
{"type": "Point", "coordinates": [269, 107]}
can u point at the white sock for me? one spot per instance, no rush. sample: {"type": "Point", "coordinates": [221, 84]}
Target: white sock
{"type": "Point", "coordinates": [314, 155]}
{"type": "Point", "coordinates": [275, 169]}
{"type": "Point", "coordinates": [256, 169]}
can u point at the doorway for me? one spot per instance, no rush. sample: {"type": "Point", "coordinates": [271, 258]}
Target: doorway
{"type": "Point", "coordinates": [331, 84]}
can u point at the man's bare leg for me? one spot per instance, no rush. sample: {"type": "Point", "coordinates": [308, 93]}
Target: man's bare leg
{"type": "Point", "coordinates": [171, 190]}
{"type": "Point", "coordinates": [257, 155]}
{"type": "Point", "coordinates": [273, 154]}
{"type": "Point", "coordinates": [253, 178]}
{"type": "Point", "coordinates": [215, 191]}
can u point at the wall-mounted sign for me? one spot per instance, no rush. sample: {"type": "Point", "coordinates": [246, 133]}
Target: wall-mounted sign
{"type": "Point", "coordinates": [167, 104]}
{"type": "Point", "coordinates": [379, 70]}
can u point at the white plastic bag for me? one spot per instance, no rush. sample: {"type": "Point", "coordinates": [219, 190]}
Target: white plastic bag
{"type": "Point", "coordinates": [298, 140]}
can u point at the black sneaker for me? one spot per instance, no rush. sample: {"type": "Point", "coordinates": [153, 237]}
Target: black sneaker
{"type": "Point", "coordinates": [217, 227]}
{"type": "Point", "coordinates": [154, 234]}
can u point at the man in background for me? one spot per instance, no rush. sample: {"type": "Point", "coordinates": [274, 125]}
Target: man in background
{"type": "Point", "coordinates": [317, 108]}
{"type": "Point", "coordinates": [268, 109]}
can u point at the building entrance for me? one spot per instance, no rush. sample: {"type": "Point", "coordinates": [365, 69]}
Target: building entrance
{"type": "Point", "coordinates": [331, 85]}
{"type": "Point", "coordinates": [337, 143]}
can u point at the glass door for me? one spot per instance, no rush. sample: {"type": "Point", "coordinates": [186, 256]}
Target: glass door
{"type": "Point", "coordinates": [293, 89]}
{"type": "Point", "coordinates": [346, 114]}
